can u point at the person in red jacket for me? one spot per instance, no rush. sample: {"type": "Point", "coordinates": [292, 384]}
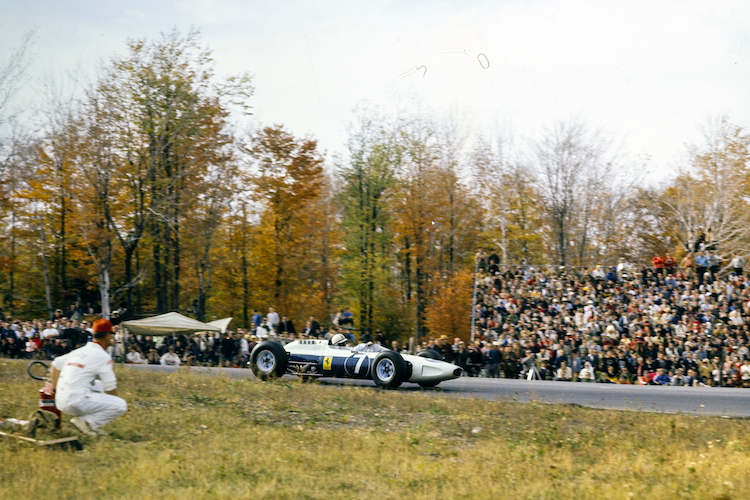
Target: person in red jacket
{"type": "Point", "coordinates": [658, 261]}
{"type": "Point", "coordinates": [669, 264]}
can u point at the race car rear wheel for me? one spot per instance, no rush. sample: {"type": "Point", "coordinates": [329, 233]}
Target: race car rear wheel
{"type": "Point", "coordinates": [389, 370]}
{"type": "Point", "coordinates": [269, 360]}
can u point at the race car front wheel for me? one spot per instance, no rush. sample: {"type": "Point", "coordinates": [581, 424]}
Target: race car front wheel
{"type": "Point", "coordinates": [269, 360]}
{"type": "Point", "coordinates": [389, 370]}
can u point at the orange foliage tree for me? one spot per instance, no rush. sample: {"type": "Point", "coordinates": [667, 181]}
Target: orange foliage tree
{"type": "Point", "coordinates": [450, 309]}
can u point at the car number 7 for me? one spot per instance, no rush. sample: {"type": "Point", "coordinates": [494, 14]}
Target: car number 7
{"type": "Point", "coordinates": [359, 364]}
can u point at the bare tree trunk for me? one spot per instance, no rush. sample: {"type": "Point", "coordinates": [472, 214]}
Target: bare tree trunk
{"type": "Point", "coordinates": [12, 267]}
{"type": "Point", "coordinates": [245, 282]}
{"type": "Point", "coordinates": [104, 286]}
{"type": "Point", "coordinates": [45, 270]}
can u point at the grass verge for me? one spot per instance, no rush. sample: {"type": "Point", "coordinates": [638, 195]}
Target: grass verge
{"type": "Point", "coordinates": [198, 436]}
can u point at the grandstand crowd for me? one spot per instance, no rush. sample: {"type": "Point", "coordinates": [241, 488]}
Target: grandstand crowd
{"type": "Point", "coordinates": [668, 324]}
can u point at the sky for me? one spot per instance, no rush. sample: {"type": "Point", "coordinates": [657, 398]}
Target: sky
{"type": "Point", "coordinates": [646, 73]}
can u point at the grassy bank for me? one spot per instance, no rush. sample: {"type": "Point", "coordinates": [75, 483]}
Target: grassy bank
{"type": "Point", "coordinates": [198, 436]}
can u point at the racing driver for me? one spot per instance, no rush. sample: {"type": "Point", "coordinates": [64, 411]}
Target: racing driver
{"type": "Point", "coordinates": [85, 385]}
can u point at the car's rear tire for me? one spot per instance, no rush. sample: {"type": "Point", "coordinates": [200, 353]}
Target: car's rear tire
{"type": "Point", "coordinates": [389, 370]}
{"type": "Point", "coordinates": [269, 360]}
{"type": "Point", "coordinates": [431, 353]}
{"type": "Point", "coordinates": [428, 385]}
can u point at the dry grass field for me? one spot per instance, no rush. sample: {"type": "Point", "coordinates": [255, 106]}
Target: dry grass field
{"type": "Point", "coordinates": [198, 436]}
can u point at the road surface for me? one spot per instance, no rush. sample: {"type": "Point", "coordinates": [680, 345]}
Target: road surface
{"type": "Point", "coordinates": [687, 400]}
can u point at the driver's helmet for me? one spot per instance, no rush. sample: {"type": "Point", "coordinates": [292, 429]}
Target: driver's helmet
{"type": "Point", "coordinates": [338, 339]}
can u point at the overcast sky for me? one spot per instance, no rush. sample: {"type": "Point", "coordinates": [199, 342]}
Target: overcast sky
{"type": "Point", "coordinates": [649, 72]}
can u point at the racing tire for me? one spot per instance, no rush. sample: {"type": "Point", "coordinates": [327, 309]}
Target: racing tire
{"type": "Point", "coordinates": [431, 353]}
{"type": "Point", "coordinates": [269, 360]}
{"type": "Point", "coordinates": [389, 370]}
{"type": "Point", "coordinates": [429, 385]}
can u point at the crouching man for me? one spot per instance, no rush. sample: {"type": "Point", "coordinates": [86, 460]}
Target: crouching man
{"type": "Point", "coordinates": [85, 385]}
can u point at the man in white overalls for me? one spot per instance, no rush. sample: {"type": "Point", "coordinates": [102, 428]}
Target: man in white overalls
{"type": "Point", "coordinates": [85, 385]}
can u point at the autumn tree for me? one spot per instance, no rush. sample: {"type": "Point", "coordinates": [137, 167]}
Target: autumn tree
{"type": "Point", "coordinates": [288, 176]}
{"type": "Point", "coordinates": [569, 158]}
{"type": "Point", "coordinates": [450, 310]}
{"type": "Point", "coordinates": [708, 200]}
{"type": "Point", "coordinates": [368, 177]}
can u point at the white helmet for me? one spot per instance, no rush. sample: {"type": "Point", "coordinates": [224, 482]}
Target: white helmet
{"type": "Point", "coordinates": [338, 339]}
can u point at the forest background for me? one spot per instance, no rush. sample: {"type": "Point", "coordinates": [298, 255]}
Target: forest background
{"type": "Point", "coordinates": [138, 191]}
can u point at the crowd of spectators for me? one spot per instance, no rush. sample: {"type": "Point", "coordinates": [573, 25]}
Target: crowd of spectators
{"type": "Point", "coordinates": [669, 324]}
{"type": "Point", "coordinates": [661, 325]}
{"type": "Point", "coordinates": [40, 339]}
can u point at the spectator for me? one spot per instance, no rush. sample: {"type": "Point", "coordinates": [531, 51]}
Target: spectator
{"type": "Point", "coordinates": [169, 358]}
{"type": "Point", "coordinates": [564, 373]}
{"type": "Point", "coordinates": [737, 264]}
{"type": "Point", "coordinates": [687, 265]}
{"type": "Point", "coordinates": [701, 264]}
{"type": "Point", "coordinates": [134, 356]}
{"type": "Point", "coordinates": [662, 378]}
{"type": "Point", "coordinates": [272, 319]}
{"type": "Point", "coordinates": [587, 373]}
{"type": "Point", "coordinates": [480, 260]}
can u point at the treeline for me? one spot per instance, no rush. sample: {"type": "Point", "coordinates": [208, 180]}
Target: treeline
{"type": "Point", "coordinates": [136, 191]}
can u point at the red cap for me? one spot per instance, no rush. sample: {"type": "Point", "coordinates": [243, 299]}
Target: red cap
{"type": "Point", "coordinates": [102, 326]}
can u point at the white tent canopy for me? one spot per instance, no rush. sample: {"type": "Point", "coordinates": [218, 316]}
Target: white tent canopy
{"type": "Point", "coordinates": [170, 324]}
{"type": "Point", "coordinates": [221, 324]}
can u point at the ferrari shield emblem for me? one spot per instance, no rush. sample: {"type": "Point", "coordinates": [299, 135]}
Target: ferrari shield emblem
{"type": "Point", "coordinates": [327, 364]}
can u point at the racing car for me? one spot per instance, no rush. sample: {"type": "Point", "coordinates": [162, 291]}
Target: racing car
{"type": "Point", "coordinates": [330, 358]}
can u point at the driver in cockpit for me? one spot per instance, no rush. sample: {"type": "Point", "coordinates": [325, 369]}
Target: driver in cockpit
{"type": "Point", "coordinates": [339, 340]}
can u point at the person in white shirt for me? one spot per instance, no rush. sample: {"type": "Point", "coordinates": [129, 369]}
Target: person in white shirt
{"type": "Point", "coordinates": [587, 373]}
{"type": "Point", "coordinates": [50, 331]}
{"type": "Point", "coordinates": [272, 318]}
{"type": "Point", "coordinates": [261, 332]}
{"type": "Point", "coordinates": [564, 372]}
{"type": "Point", "coordinates": [134, 357]}
{"type": "Point", "coordinates": [85, 385]}
{"type": "Point", "coordinates": [244, 347]}
{"type": "Point", "coordinates": [170, 358]}
{"type": "Point", "coordinates": [745, 373]}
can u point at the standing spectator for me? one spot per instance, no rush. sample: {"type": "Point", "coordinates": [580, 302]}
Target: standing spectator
{"type": "Point", "coordinates": [315, 327]}
{"type": "Point", "coordinates": [347, 318]}
{"type": "Point", "coordinates": [492, 362]}
{"type": "Point", "coordinates": [658, 262]}
{"type": "Point", "coordinates": [738, 263]}
{"type": "Point", "coordinates": [272, 319]}
{"type": "Point", "coordinates": [379, 338]}
{"type": "Point", "coordinates": [229, 350]}
{"type": "Point", "coordinates": [668, 264]}
{"type": "Point", "coordinates": [257, 318]}
{"type": "Point", "coordinates": [623, 269]}
{"type": "Point", "coordinates": [286, 326]}
{"type": "Point", "coordinates": [701, 264]}
{"type": "Point", "coordinates": [713, 265]}
{"type": "Point", "coordinates": [244, 349]}
{"type": "Point", "coordinates": [366, 336]}
{"type": "Point", "coordinates": [480, 259]}
{"type": "Point", "coordinates": [687, 265]}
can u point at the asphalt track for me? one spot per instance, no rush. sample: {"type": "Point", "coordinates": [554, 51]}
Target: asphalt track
{"type": "Point", "coordinates": [732, 403]}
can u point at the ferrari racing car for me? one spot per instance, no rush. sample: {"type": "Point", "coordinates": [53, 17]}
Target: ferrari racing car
{"type": "Point", "coordinates": [324, 358]}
